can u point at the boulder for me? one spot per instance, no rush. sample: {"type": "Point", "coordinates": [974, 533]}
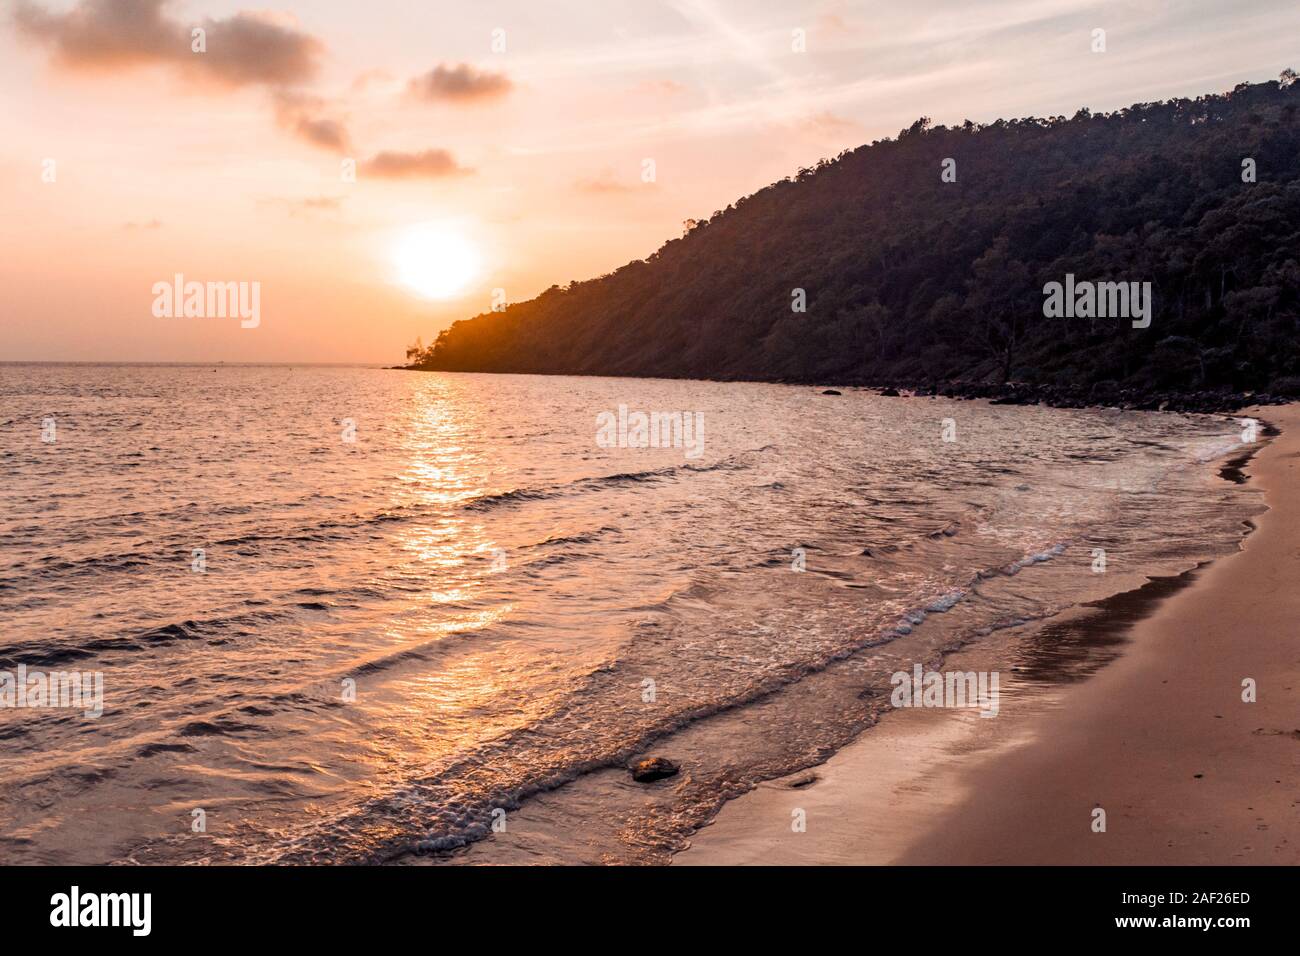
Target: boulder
{"type": "Point", "coordinates": [653, 768]}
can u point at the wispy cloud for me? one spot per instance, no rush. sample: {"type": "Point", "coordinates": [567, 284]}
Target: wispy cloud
{"type": "Point", "coordinates": [661, 87]}
{"type": "Point", "coordinates": [827, 124]}
{"type": "Point", "coordinates": [370, 78]}
{"type": "Point", "coordinates": [308, 206]}
{"type": "Point", "coordinates": [605, 184]}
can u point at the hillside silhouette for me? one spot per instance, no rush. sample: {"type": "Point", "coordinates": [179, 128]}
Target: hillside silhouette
{"type": "Point", "coordinates": [913, 281]}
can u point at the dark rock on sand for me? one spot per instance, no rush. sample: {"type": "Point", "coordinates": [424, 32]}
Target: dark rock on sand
{"type": "Point", "coordinates": [802, 780]}
{"type": "Point", "coordinates": [653, 768]}
{"type": "Point", "coordinates": [830, 391]}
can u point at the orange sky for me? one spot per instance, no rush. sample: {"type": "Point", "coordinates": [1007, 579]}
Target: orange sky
{"type": "Point", "coordinates": [226, 165]}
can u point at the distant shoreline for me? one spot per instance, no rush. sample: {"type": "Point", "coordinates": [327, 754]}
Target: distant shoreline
{"type": "Point", "coordinates": [1016, 393]}
{"type": "Point", "coordinates": [1160, 738]}
{"type": "Point", "coordinates": [100, 363]}
{"type": "Point", "coordinates": [1019, 393]}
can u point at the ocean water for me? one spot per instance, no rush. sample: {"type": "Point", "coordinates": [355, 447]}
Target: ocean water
{"type": "Point", "coordinates": [474, 611]}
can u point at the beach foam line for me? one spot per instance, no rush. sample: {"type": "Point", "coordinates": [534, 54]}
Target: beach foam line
{"type": "Point", "coordinates": [432, 816]}
{"type": "Point", "coordinates": [1157, 732]}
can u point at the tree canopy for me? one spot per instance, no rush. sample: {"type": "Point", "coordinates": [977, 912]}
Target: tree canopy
{"type": "Point", "coordinates": [911, 279]}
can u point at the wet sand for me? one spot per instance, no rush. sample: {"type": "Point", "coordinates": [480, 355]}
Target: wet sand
{"type": "Point", "coordinates": [1159, 737]}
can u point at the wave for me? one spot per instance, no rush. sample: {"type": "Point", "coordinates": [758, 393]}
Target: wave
{"type": "Point", "coordinates": [594, 483]}
{"type": "Point", "coordinates": [1015, 567]}
{"type": "Point", "coordinates": [40, 654]}
{"type": "Point", "coordinates": [436, 813]}
{"type": "Point", "coordinates": [335, 529]}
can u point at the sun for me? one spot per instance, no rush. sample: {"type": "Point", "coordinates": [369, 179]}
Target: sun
{"type": "Point", "coordinates": [435, 260]}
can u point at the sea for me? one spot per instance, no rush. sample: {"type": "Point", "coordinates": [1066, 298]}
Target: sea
{"type": "Point", "coordinates": [365, 615]}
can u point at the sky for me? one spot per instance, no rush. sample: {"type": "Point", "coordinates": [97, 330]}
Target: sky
{"type": "Point", "coordinates": [381, 170]}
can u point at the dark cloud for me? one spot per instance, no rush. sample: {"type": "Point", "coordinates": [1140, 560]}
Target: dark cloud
{"type": "Point", "coordinates": [107, 34]}
{"type": "Point", "coordinates": [325, 133]}
{"type": "Point", "coordinates": [248, 49]}
{"type": "Point", "coordinates": [429, 164]}
{"type": "Point", "coordinates": [462, 83]}
{"type": "Point", "coordinates": [302, 115]}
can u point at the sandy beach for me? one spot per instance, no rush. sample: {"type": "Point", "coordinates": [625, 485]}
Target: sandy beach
{"type": "Point", "coordinates": [1159, 738]}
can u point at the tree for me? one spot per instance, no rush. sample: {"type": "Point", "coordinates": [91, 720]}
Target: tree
{"type": "Point", "coordinates": [920, 281]}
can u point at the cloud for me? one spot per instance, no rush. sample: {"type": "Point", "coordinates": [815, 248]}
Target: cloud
{"type": "Point", "coordinates": [308, 206]}
{"type": "Point", "coordinates": [369, 78]}
{"type": "Point", "coordinates": [248, 48]}
{"type": "Point", "coordinates": [429, 164]}
{"type": "Point", "coordinates": [320, 204]}
{"type": "Point", "coordinates": [661, 87]}
{"type": "Point", "coordinates": [603, 184]}
{"type": "Point", "coordinates": [834, 23]}
{"type": "Point", "coordinates": [827, 124]}
{"type": "Point", "coordinates": [101, 33]}
{"type": "Point", "coordinates": [322, 132]}
{"type": "Point", "coordinates": [460, 84]}
{"type": "Point", "coordinates": [300, 114]}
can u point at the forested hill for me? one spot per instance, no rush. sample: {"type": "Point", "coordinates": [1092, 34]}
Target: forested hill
{"type": "Point", "coordinates": [911, 280]}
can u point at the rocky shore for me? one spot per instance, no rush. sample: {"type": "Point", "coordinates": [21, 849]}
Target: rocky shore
{"type": "Point", "coordinates": [1102, 394]}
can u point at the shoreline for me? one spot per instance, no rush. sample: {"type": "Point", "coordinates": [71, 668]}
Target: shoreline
{"type": "Point", "coordinates": [1158, 737]}
{"type": "Point", "coordinates": [1219, 401]}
